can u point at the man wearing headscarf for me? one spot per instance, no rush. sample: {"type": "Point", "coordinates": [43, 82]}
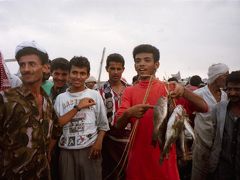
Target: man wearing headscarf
{"type": "Point", "coordinates": [7, 80]}
{"type": "Point", "coordinates": [212, 93]}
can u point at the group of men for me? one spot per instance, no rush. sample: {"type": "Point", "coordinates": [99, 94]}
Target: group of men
{"type": "Point", "coordinates": [74, 132]}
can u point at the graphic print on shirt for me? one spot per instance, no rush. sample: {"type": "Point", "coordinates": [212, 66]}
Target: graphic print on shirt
{"type": "Point", "coordinates": [77, 125]}
{"type": "Point", "coordinates": [71, 141]}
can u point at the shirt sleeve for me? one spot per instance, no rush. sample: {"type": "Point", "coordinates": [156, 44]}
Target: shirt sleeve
{"type": "Point", "coordinates": [101, 116]}
{"type": "Point", "coordinates": [125, 104]}
{"type": "Point", "coordinates": [57, 129]}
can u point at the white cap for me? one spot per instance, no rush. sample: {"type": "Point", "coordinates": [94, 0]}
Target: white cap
{"type": "Point", "coordinates": [91, 79]}
{"type": "Point", "coordinates": [216, 70]}
{"type": "Point", "coordinates": [31, 44]}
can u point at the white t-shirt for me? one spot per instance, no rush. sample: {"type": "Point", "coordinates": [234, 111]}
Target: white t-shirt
{"type": "Point", "coordinates": [82, 130]}
{"type": "Point", "coordinates": [203, 124]}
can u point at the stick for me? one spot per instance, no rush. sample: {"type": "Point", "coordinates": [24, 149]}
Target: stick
{"type": "Point", "coordinates": [100, 69]}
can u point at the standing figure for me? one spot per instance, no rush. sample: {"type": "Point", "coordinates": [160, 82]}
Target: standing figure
{"type": "Point", "coordinates": [27, 119]}
{"type": "Point", "coordinates": [212, 93]}
{"type": "Point", "coordinates": [137, 107]}
{"type": "Point", "coordinates": [82, 114]}
{"type": "Point", "coordinates": [115, 140]}
{"type": "Point", "coordinates": [225, 153]}
{"type": "Point", "coordinates": [59, 72]}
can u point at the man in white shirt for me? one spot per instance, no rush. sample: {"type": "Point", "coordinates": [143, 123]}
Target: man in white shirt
{"type": "Point", "coordinates": [212, 93]}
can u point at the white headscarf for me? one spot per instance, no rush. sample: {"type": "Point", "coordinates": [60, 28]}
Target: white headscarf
{"type": "Point", "coordinates": [216, 70]}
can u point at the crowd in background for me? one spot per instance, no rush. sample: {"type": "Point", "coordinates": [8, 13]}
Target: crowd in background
{"type": "Point", "coordinates": [71, 128]}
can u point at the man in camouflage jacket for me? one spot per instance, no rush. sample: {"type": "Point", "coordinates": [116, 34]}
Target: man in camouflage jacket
{"type": "Point", "coordinates": [27, 120]}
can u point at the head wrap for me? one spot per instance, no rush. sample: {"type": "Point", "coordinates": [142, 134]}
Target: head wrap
{"type": "Point", "coordinates": [216, 70]}
{"type": "Point", "coordinates": [4, 74]}
{"type": "Point", "coordinates": [91, 79]}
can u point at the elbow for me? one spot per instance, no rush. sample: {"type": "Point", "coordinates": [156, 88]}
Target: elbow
{"type": "Point", "coordinates": [204, 107]}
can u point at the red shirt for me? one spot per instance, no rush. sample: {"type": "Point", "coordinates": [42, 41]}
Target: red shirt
{"type": "Point", "coordinates": [143, 162]}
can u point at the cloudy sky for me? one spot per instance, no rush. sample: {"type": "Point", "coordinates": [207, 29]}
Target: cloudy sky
{"type": "Point", "coordinates": [190, 34]}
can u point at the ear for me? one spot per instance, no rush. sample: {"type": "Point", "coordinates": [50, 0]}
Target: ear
{"type": "Point", "coordinates": [44, 68]}
{"type": "Point", "coordinates": [106, 68]}
{"type": "Point", "coordinates": [157, 64]}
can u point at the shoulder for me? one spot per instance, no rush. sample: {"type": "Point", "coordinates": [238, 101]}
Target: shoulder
{"type": "Point", "coordinates": [199, 90]}
{"type": "Point", "coordinates": [62, 96]}
{"type": "Point", "coordinates": [93, 93]}
{"type": "Point", "coordinates": [12, 92]}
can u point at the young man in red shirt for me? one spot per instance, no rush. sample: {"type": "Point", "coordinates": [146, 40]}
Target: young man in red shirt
{"type": "Point", "coordinates": [143, 158]}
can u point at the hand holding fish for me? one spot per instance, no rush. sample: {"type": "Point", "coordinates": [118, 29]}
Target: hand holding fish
{"type": "Point", "coordinates": [138, 110]}
{"type": "Point", "coordinates": [176, 89]}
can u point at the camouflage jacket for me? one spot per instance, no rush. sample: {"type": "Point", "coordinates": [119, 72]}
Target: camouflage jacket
{"type": "Point", "coordinates": [24, 137]}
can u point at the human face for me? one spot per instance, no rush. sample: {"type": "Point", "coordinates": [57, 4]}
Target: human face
{"type": "Point", "coordinates": [233, 92]}
{"type": "Point", "coordinates": [46, 73]}
{"type": "Point", "coordinates": [221, 80]}
{"type": "Point", "coordinates": [90, 85]}
{"type": "Point", "coordinates": [31, 69]}
{"type": "Point", "coordinates": [60, 78]}
{"type": "Point", "coordinates": [77, 78]}
{"type": "Point", "coordinates": [115, 70]}
{"type": "Point", "coordinates": [145, 65]}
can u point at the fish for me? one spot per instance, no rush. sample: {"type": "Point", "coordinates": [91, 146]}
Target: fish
{"type": "Point", "coordinates": [174, 128]}
{"type": "Point", "coordinates": [189, 129]}
{"type": "Point", "coordinates": [163, 127]}
{"type": "Point", "coordinates": [186, 135]}
{"type": "Point", "coordinates": [160, 113]}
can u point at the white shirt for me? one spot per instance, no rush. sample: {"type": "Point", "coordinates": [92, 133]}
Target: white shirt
{"type": "Point", "coordinates": [82, 130]}
{"type": "Point", "coordinates": [203, 124]}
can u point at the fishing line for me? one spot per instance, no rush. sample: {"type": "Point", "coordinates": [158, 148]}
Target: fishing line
{"type": "Point", "coordinates": [131, 137]}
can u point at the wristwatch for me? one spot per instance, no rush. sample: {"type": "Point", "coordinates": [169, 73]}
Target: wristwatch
{"type": "Point", "coordinates": [77, 108]}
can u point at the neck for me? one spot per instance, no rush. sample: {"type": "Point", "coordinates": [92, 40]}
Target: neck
{"type": "Point", "coordinates": [146, 77]}
{"type": "Point", "coordinates": [214, 88]}
{"type": "Point", "coordinates": [76, 89]}
{"type": "Point", "coordinates": [115, 83]}
{"type": "Point", "coordinates": [235, 108]}
{"type": "Point", "coordinates": [34, 88]}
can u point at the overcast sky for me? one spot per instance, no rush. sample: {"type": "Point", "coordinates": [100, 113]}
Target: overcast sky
{"type": "Point", "coordinates": [191, 35]}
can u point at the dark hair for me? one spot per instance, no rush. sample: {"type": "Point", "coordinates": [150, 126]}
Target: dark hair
{"type": "Point", "coordinates": [147, 48]}
{"type": "Point", "coordinates": [60, 63]}
{"type": "Point", "coordinates": [81, 62]}
{"type": "Point", "coordinates": [30, 50]}
{"type": "Point", "coordinates": [195, 80]}
{"type": "Point", "coordinates": [135, 79]}
{"type": "Point", "coordinates": [172, 79]}
{"type": "Point", "coordinates": [233, 77]}
{"type": "Point", "coordinates": [115, 57]}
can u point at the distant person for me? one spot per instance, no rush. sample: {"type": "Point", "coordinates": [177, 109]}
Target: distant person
{"type": "Point", "coordinates": [212, 93]}
{"type": "Point", "coordinates": [91, 82]}
{"type": "Point", "coordinates": [60, 73]}
{"type": "Point", "coordinates": [111, 92]}
{"type": "Point", "coordinates": [46, 84]}
{"type": "Point", "coordinates": [225, 153]}
{"type": "Point", "coordinates": [82, 114]}
{"type": "Point", "coordinates": [173, 79]}
{"type": "Point", "coordinates": [143, 158]}
{"type": "Point", "coordinates": [7, 80]}
{"type": "Point", "coordinates": [135, 79]}
{"type": "Point", "coordinates": [27, 119]}
{"type": "Point", "coordinates": [195, 82]}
